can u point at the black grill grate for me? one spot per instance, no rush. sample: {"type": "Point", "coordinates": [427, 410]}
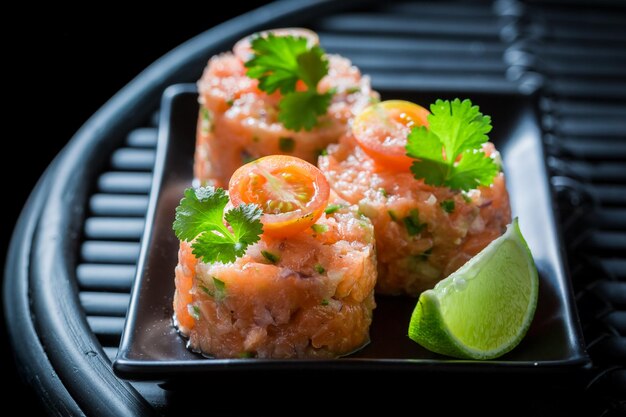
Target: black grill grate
{"type": "Point", "coordinates": [112, 233]}
{"type": "Point", "coordinates": [581, 54]}
{"type": "Point", "coordinates": [575, 55]}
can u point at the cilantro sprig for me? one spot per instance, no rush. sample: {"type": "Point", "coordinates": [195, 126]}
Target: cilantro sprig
{"type": "Point", "coordinates": [200, 218]}
{"type": "Point", "coordinates": [456, 129]}
{"type": "Point", "coordinates": [279, 62]}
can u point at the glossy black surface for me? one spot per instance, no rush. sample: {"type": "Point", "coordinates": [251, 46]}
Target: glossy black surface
{"type": "Point", "coordinates": [152, 350]}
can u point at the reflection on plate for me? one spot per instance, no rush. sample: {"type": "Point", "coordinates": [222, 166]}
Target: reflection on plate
{"type": "Point", "coordinates": [152, 350]}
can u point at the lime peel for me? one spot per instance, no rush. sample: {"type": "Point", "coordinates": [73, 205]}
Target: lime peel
{"type": "Point", "coordinates": [484, 309]}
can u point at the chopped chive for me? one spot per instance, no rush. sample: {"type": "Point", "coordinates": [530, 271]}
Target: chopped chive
{"type": "Point", "coordinates": [447, 206]}
{"type": "Point", "coordinates": [230, 102]}
{"type": "Point", "coordinates": [270, 257]}
{"type": "Point", "coordinates": [325, 302]}
{"type": "Point", "coordinates": [319, 228]}
{"type": "Point", "coordinates": [332, 208]}
{"type": "Point", "coordinates": [322, 152]}
{"type": "Point", "coordinates": [412, 223]}
{"type": "Point", "coordinates": [352, 90]}
{"type": "Point", "coordinates": [206, 290]}
{"type": "Point", "coordinates": [383, 192]}
{"type": "Point", "coordinates": [286, 144]}
{"type": "Point", "coordinates": [206, 125]}
{"type": "Point", "coordinates": [319, 269]}
{"type": "Point", "coordinates": [246, 355]}
{"type": "Point", "coordinates": [393, 215]}
{"type": "Point", "coordinates": [220, 289]}
{"type": "Point", "coordinates": [194, 311]}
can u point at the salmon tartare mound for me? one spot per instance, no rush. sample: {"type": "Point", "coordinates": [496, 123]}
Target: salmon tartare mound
{"type": "Point", "coordinates": [423, 232]}
{"type": "Point", "coordinates": [239, 121]}
{"type": "Point", "coordinates": [304, 289]}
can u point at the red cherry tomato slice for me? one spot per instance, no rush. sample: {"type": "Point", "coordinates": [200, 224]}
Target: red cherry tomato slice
{"type": "Point", "coordinates": [291, 192]}
{"type": "Point", "coordinates": [381, 130]}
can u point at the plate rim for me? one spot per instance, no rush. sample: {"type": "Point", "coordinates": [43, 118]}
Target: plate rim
{"type": "Point", "coordinates": [163, 370]}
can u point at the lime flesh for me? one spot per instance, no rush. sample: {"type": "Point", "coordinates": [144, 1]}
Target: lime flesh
{"type": "Point", "coordinates": [484, 309]}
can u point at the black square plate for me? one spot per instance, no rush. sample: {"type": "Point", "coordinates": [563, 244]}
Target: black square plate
{"type": "Point", "coordinates": [152, 350]}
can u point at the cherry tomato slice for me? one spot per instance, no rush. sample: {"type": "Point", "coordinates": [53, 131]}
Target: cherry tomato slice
{"type": "Point", "coordinates": [381, 130]}
{"type": "Point", "coordinates": [243, 51]}
{"type": "Point", "coordinates": [291, 192]}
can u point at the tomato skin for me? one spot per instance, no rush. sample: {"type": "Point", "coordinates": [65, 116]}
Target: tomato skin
{"type": "Point", "coordinates": [248, 185]}
{"type": "Point", "coordinates": [389, 120]}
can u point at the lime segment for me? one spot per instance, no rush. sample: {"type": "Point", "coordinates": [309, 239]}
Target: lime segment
{"type": "Point", "coordinates": [484, 309]}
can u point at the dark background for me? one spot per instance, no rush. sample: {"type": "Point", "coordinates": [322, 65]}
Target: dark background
{"type": "Point", "coordinates": [62, 66]}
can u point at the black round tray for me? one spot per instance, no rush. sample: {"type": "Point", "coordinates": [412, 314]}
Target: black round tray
{"type": "Point", "coordinates": [73, 251]}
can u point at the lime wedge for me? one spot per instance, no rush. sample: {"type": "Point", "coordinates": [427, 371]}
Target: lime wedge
{"type": "Point", "coordinates": [484, 309]}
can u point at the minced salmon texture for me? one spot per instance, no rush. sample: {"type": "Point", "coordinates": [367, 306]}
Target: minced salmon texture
{"type": "Point", "coordinates": [423, 232]}
{"type": "Point", "coordinates": [238, 122]}
{"type": "Point", "coordinates": [307, 296]}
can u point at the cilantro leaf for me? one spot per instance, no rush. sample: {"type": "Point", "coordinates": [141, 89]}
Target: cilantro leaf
{"type": "Point", "coordinates": [473, 169]}
{"type": "Point", "coordinates": [275, 62]}
{"type": "Point", "coordinates": [458, 125]}
{"type": "Point", "coordinates": [199, 210]}
{"type": "Point", "coordinates": [244, 220]}
{"type": "Point", "coordinates": [279, 62]}
{"type": "Point", "coordinates": [199, 218]}
{"type": "Point", "coordinates": [456, 129]}
{"type": "Point", "coordinates": [312, 66]}
{"type": "Point", "coordinates": [300, 110]}
{"type": "Point", "coordinates": [425, 145]}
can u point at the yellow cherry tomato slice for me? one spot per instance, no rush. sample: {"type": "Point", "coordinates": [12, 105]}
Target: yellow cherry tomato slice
{"type": "Point", "coordinates": [291, 192]}
{"type": "Point", "coordinates": [381, 130]}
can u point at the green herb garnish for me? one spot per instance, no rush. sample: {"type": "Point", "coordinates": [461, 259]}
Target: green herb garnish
{"type": "Point", "coordinates": [322, 152]}
{"type": "Point", "coordinates": [206, 124]}
{"type": "Point", "coordinates": [392, 215]}
{"type": "Point", "coordinates": [456, 129]}
{"type": "Point", "coordinates": [220, 289]}
{"type": "Point", "coordinates": [200, 218]}
{"type": "Point", "coordinates": [286, 144]}
{"type": "Point", "coordinates": [195, 312]}
{"type": "Point", "coordinates": [332, 208]}
{"type": "Point", "coordinates": [270, 257]}
{"type": "Point", "coordinates": [319, 269]}
{"type": "Point", "coordinates": [412, 223]}
{"type": "Point", "coordinates": [447, 206]}
{"type": "Point", "coordinates": [319, 228]}
{"type": "Point", "coordinates": [279, 62]}
{"type": "Point", "coordinates": [325, 302]}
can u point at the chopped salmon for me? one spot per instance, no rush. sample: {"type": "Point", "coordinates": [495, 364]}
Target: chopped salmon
{"type": "Point", "coordinates": [418, 241]}
{"type": "Point", "coordinates": [314, 301]}
{"type": "Point", "coordinates": [238, 122]}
